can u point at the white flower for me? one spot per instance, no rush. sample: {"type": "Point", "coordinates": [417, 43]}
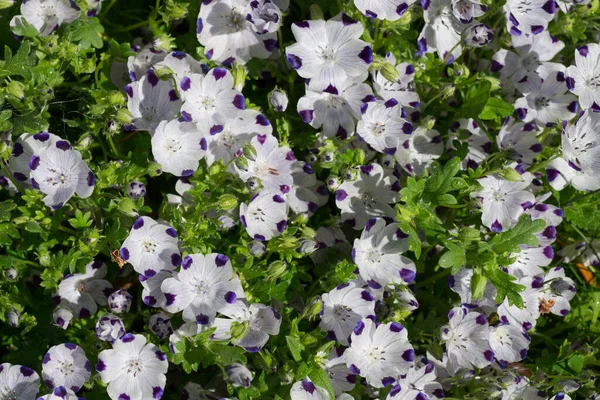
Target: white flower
{"type": "Point", "coordinates": [388, 10]}
{"type": "Point", "coordinates": [66, 365]}
{"type": "Point", "coordinates": [120, 301]}
{"type": "Point", "coordinates": [417, 384]}
{"type": "Point", "coordinates": [343, 307]}
{"type": "Point", "coordinates": [524, 317]}
{"type": "Point", "coordinates": [239, 375]}
{"type": "Point", "coordinates": [503, 201]}
{"type": "Point", "coordinates": [329, 53]}
{"type": "Point", "coordinates": [340, 376]}
{"type": "Point", "coordinates": [442, 30]}
{"type": "Point", "coordinates": [529, 260]}
{"type": "Point", "coordinates": [151, 247]}
{"type": "Point", "coordinates": [378, 254]}
{"type": "Point", "coordinates": [109, 328]}
{"type": "Point", "coordinates": [181, 64]}
{"type": "Point", "coordinates": [379, 353]}
{"type": "Point", "coordinates": [467, 10]}
{"type": "Point", "coordinates": [402, 89]}
{"type": "Point", "coordinates": [532, 54]}
{"type": "Point", "coordinates": [47, 15]}
{"type": "Point", "coordinates": [133, 369]}
{"type": "Point", "coordinates": [204, 286]}
{"type": "Point", "coordinates": [417, 152]}
{"type": "Point", "coordinates": [24, 147]}
{"type": "Point", "coordinates": [60, 393]}
{"type": "Point", "coordinates": [160, 325]}
{"type": "Point", "coordinates": [466, 339]}
{"type": "Point", "coordinates": [206, 95]}
{"type": "Point", "coordinates": [150, 101]}
{"type": "Point", "coordinates": [262, 321]}
{"type": "Point", "coordinates": [224, 137]}
{"type": "Point", "coordinates": [176, 147]}
{"type": "Point", "coordinates": [306, 390]}
{"type": "Point", "coordinates": [79, 293]}
{"type": "Point", "coordinates": [509, 343]}
{"type": "Point", "coordinates": [545, 101]}
{"type": "Point", "coordinates": [479, 143]}
{"type": "Point", "coordinates": [382, 126]}
{"type": "Point", "coordinates": [581, 143]}
{"type": "Point", "coordinates": [370, 195]}
{"type": "Point", "coordinates": [138, 65]}
{"type": "Point", "coordinates": [265, 216]}
{"type": "Point", "coordinates": [478, 35]}
{"type": "Point", "coordinates": [519, 140]}
{"type": "Point", "coordinates": [58, 171]}
{"type": "Point", "coordinates": [560, 174]}
{"type": "Point", "coordinates": [336, 109]}
{"type": "Point", "coordinates": [265, 16]}
{"type": "Point", "coordinates": [18, 382]}
{"type": "Point", "coordinates": [556, 293]}
{"type": "Point", "coordinates": [278, 100]}
{"type": "Point", "coordinates": [529, 16]}
{"type": "Point", "coordinates": [306, 193]}
{"type": "Point", "coordinates": [152, 296]}
{"type": "Point", "coordinates": [269, 163]}
{"type": "Point", "coordinates": [228, 37]}
{"type": "Point", "coordinates": [561, 396]}
{"type": "Point", "coordinates": [62, 317]}
{"type": "Point", "coordinates": [460, 283]}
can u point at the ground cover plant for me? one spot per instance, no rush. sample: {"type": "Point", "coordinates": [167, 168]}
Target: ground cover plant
{"type": "Point", "coordinates": [319, 199]}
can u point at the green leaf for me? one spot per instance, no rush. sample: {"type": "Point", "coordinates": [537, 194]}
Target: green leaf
{"type": "Point", "coordinates": [496, 107]}
{"type": "Point", "coordinates": [454, 258]}
{"type": "Point", "coordinates": [5, 208]}
{"type": "Point", "coordinates": [522, 233]}
{"type": "Point", "coordinates": [475, 99]}
{"type": "Point", "coordinates": [585, 213]}
{"type": "Point", "coordinates": [478, 284]}
{"type": "Point", "coordinates": [506, 287]}
{"type": "Point", "coordinates": [295, 346]}
{"type": "Point", "coordinates": [20, 64]}
{"type": "Point", "coordinates": [320, 378]}
{"type": "Point", "coordinates": [5, 123]}
{"type": "Point", "coordinates": [441, 181]}
{"type": "Point", "coordinates": [88, 32]}
{"type": "Point", "coordinates": [576, 363]}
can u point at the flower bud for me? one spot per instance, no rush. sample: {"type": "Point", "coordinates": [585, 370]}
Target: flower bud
{"type": "Point", "coordinates": [239, 76]}
{"type": "Point", "coordinates": [160, 325]}
{"type": "Point", "coordinates": [228, 202]}
{"type": "Point", "coordinates": [6, 4]}
{"type": "Point", "coordinates": [109, 328]}
{"type": "Point", "coordinates": [16, 89]}
{"type": "Point", "coordinates": [277, 269]}
{"type": "Point", "coordinates": [123, 116]}
{"type": "Point", "coordinates": [12, 318]}
{"type": "Point", "coordinates": [239, 375]}
{"type": "Point", "coordinates": [278, 100]}
{"type": "Point", "coordinates": [136, 190]}
{"type": "Point", "coordinates": [120, 301]}
{"type": "Point", "coordinates": [478, 35]}
{"type": "Point", "coordinates": [257, 248]}
{"type": "Point", "coordinates": [62, 317]}
{"type": "Point", "coordinates": [11, 274]}
{"type": "Point", "coordinates": [239, 330]}
{"type": "Point", "coordinates": [164, 72]}
{"type": "Point", "coordinates": [389, 71]}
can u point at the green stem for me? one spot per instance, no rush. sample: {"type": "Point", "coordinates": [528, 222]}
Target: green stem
{"type": "Point", "coordinates": [576, 199]}
{"type": "Point", "coordinates": [113, 147]}
{"type": "Point", "coordinates": [433, 278]}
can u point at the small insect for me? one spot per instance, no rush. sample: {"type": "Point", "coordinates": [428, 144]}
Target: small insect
{"type": "Point", "coordinates": [116, 257]}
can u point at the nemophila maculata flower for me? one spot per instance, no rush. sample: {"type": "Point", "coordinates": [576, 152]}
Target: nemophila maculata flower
{"type": "Point", "coordinates": [503, 202]}
{"type": "Point", "coordinates": [460, 283]}
{"type": "Point", "coordinates": [389, 10]}
{"type": "Point", "coordinates": [268, 163]}
{"type": "Point", "coordinates": [378, 254]}
{"type": "Point", "coordinates": [509, 343]}
{"type": "Point", "coordinates": [265, 216]}
{"type": "Point", "coordinates": [150, 101]}
{"type": "Point", "coordinates": [18, 382]}
{"type": "Point", "coordinates": [343, 307]}
{"type": "Point", "coordinates": [469, 131]}
{"type": "Point", "coordinates": [416, 153]}
{"type": "Point", "coordinates": [82, 293]}
{"type": "Point", "coordinates": [419, 384]}
{"type": "Point", "coordinates": [368, 196]}
{"type": "Point", "coordinates": [478, 35]}
{"type": "Point", "coordinates": [109, 328]}
{"type": "Point", "coordinates": [382, 125]}
{"type": "Point", "coordinates": [59, 172]}
{"type": "Point", "coordinates": [546, 100]}
{"type": "Point", "coordinates": [265, 16]}
{"type": "Point", "coordinates": [529, 16]}
{"type": "Point", "coordinates": [60, 393]}
{"type": "Point", "coordinates": [467, 339]}
{"type": "Point", "coordinates": [151, 247]}
{"type": "Point", "coordinates": [380, 353]}
{"type": "Point", "coordinates": [336, 109]}
{"type": "Point", "coordinates": [206, 95]}
{"type": "Point", "coordinates": [402, 89]}
{"type": "Point", "coordinates": [581, 143]}
{"type": "Point", "coordinates": [181, 64]}
{"type": "Point", "coordinates": [120, 301]}
{"type": "Point", "coordinates": [307, 390]}
{"type": "Point", "coordinates": [23, 149]}
{"type": "Point", "coordinates": [144, 60]}
{"type": "Point", "coordinates": [204, 286]}
{"type": "Point", "coordinates": [442, 31]}
{"type": "Point", "coordinates": [66, 365]}
{"type": "Point", "coordinates": [133, 369]}
{"type": "Point", "coordinates": [47, 16]}
{"type": "Point", "coordinates": [340, 376]}
{"type": "Point", "coordinates": [160, 325]}
{"type": "Point", "coordinates": [561, 174]}
{"type": "Point", "coordinates": [176, 146]}
{"type": "Point", "coordinates": [329, 53]}
{"type": "Point", "coordinates": [520, 141]}
{"type": "Point", "coordinates": [228, 36]}
{"type": "Point", "coordinates": [62, 317]}
{"type": "Point", "coordinates": [239, 375]}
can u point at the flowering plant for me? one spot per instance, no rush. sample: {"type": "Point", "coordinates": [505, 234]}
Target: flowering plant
{"type": "Point", "coordinates": [275, 199]}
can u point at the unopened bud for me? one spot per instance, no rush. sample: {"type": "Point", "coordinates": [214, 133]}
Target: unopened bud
{"type": "Point", "coordinates": [511, 175]}
{"type": "Point", "coordinates": [257, 248]}
{"type": "Point", "coordinates": [277, 269]}
{"type": "Point", "coordinates": [16, 89]}
{"type": "Point", "coordinates": [136, 190]}
{"type": "Point", "coordinates": [239, 76]}
{"type": "Point", "coordinates": [11, 274]}
{"type": "Point", "coordinates": [278, 100]}
{"type": "Point", "coordinates": [239, 375]}
{"type": "Point", "coordinates": [228, 202]}
{"type": "Point", "coordinates": [164, 72]}
{"type": "Point", "coordinates": [12, 318]}
{"type": "Point", "coordinates": [123, 116]}
{"type": "Point", "coordinates": [6, 4]}
{"type": "Point", "coordinates": [239, 330]}
{"type": "Point", "coordinates": [389, 71]}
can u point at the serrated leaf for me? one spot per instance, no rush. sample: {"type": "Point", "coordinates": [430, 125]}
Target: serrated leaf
{"type": "Point", "coordinates": [20, 64]}
{"type": "Point", "coordinates": [88, 32]}
{"type": "Point", "coordinates": [506, 288]}
{"type": "Point", "coordinates": [495, 107]}
{"type": "Point", "coordinates": [5, 208]}
{"type": "Point", "coordinates": [523, 233]}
